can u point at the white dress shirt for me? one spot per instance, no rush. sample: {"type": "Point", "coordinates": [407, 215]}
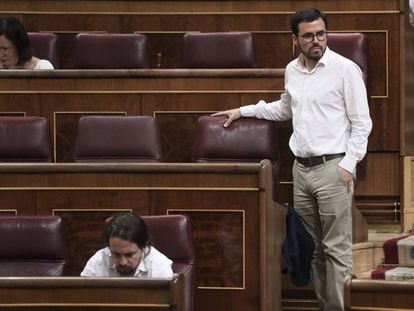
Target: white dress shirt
{"type": "Point", "coordinates": [153, 264]}
{"type": "Point", "coordinates": [328, 107]}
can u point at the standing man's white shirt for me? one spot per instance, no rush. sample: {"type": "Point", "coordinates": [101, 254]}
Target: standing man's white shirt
{"type": "Point", "coordinates": [328, 106]}
{"type": "Point", "coordinates": [152, 264]}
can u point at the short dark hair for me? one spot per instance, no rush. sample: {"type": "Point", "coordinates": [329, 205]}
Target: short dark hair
{"type": "Point", "coordinates": [130, 227]}
{"type": "Point", "coordinates": [13, 30]}
{"type": "Point", "coordinates": [307, 15]}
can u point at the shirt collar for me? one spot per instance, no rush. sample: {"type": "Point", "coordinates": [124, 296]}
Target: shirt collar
{"type": "Point", "coordinates": [325, 59]}
{"type": "Point", "coordinates": [142, 268]}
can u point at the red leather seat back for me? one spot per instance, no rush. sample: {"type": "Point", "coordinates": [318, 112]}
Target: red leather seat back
{"type": "Point", "coordinates": [247, 140]}
{"type": "Point", "coordinates": [218, 50]}
{"type": "Point", "coordinates": [25, 139]}
{"type": "Point", "coordinates": [117, 139]}
{"type": "Point", "coordinates": [31, 246]}
{"type": "Point", "coordinates": [111, 51]}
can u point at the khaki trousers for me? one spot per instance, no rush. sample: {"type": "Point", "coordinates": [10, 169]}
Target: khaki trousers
{"type": "Point", "coordinates": [324, 203]}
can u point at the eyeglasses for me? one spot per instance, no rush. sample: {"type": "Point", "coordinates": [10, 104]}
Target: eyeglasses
{"type": "Point", "coordinates": [5, 50]}
{"type": "Point", "coordinates": [309, 36]}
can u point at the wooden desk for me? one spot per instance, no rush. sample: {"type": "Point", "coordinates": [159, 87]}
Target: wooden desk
{"type": "Point", "coordinates": [378, 295]}
{"type": "Point", "coordinates": [238, 229]}
{"type": "Point", "coordinates": [79, 293]}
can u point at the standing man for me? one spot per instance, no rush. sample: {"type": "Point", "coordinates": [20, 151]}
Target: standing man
{"type": "Point", "coordinates": [326, 98]}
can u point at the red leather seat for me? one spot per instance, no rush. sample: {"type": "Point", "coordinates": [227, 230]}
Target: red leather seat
{"type": "Point", "coordinates": [218, 50]}
{"type": "Point", "coordinates": [117, 139]}
{"type": "Point", "coordinates": [111, 51]}
{"type": "Point", "coordinates": [31, 246]}
{"type": "Point", "coordinates": [247, 140]}
{"type": "Point", "coordinates": [25, 139]}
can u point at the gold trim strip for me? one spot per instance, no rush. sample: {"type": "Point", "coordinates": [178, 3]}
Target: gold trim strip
{"type": "Point", "coordinates": [203, 210]}
{"type": "Point", "coordinates": [181, 112]}
{"type": "Point", "coordinates": [78, 210]}
{"type": "Point", "coordinates": [147, 92]}
{"type": "Point", "coordinates": [110, 305]}
{"type": "Point", "coordinates": [75, 32]}
{"type": "Point", "coordinates": [13, 113]}
{"type": "Point", "coordinates": [8, 211]}
{"type": "Point", "coordinates": [91, 112]}
{"type": "Point", "coordinates": [243, 246]}
{"type": "Point", "coordinates": [130, 188]}
{"type": "Point", "coordinates": [198, 13]}
{"type": "Point", "coordinates": [222, 288]}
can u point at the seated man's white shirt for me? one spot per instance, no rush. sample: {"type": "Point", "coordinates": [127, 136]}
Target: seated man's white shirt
{"type": "Point", "coordinates": [152, 264]}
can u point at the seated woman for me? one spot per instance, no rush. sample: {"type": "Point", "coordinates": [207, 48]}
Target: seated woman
{"type": "Point", "coordinates": [15, 50]}
{"type": "Point", "coordinates": [128, 252]}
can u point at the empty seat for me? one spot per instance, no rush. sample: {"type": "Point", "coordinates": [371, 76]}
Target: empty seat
{"type": "Point", "coordinates": [31, 246]}
{"type": "Point", "coordinates": [117, 139]}
{"type": "Point", "coordinates": [218, 50]}
{"type": "Point", "coordinates": [248, 140]}
{"type": "Point", "coordinates": [24, 139]}
{"type": "Point", "coordinates": [44, 46]}
{"type": "Point", "coordinates": [111, 51]}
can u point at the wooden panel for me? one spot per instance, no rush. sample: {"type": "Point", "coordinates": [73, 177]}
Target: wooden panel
{"type": "Point", "coordinates": [379, 165]}
{"type": "Point", "coordinates": [77, 293]}
{"type": "Point", "coordinates": [215, 229]}
{"type": "Point", "coordinates": [23, 204]}
{"type": "Point", "coordinates": [238, 229]}
{"type": "Point", "coordinates": [408, 190]}
{"type": "Point", "coordinates": [110, 6]}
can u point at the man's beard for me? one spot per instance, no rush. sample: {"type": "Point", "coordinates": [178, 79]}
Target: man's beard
{"type": "Point", "coordinates": [313, 56]}
{"type": "Point", "coordinates": [125, 271]}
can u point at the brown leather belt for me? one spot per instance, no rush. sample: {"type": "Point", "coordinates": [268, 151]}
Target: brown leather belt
{"type": "Point", "coordinates": [313, 161]}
